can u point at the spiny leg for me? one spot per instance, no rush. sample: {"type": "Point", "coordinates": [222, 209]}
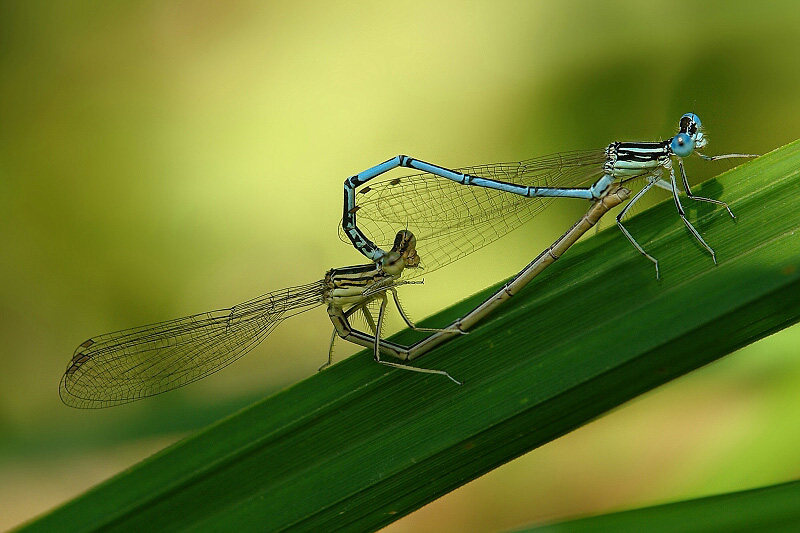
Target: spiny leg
{"type": "Point", "coordinates": [330, 352]}
{"type": "Point", "coordinates": [682, 214]}
{"type": "Point", "coordinates": [650, 183]}
{"type": "Point", "coordinates": [700, 198]}
{"type": "Point", "coordinates": [379, 329]}
{"type": "Point", "coordinates": [725, 156]}
{"type": "Point", "coordinates": [365, 313]}
{"type": "Point", "coordinates": [347, 314]}
{"type": "Point", "coordinates": [410, 324]}
{"type": "Point", "coordinates": [381, 314]}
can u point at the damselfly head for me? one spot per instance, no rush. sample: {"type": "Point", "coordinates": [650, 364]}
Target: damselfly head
{"type": "Point", "coordinates": [403, 253]}
{"type": "Point", "coordinates": [684, 143]}
{"type": "Point", "coordinates": [691, 126]}
{"type": "Point", "coordinates": [405, 243]}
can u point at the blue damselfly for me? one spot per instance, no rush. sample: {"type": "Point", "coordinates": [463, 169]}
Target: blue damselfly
{"type": "Point", "coordinates": [475, 205]}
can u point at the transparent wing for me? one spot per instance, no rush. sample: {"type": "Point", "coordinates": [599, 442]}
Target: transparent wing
{"type": "Point", "coordinates": [127, 365]}
{"type": "Point", "coordinates": [452, 220]}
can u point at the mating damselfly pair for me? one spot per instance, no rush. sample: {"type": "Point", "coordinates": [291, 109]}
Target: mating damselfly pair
{"type": "Point", "coordinates": [446, 214]}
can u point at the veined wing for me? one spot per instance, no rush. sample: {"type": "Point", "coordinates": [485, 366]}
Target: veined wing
{"type": "Point", "coordinates": [451, 220]}
{"type": "Point", "coordinates": [127, 365]}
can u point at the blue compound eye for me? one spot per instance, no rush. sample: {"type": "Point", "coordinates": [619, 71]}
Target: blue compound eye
{"type": "Point", "coordinates": [682, 145]}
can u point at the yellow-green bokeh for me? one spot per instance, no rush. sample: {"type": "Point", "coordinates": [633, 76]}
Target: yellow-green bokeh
{"type": "Point", "coordinates": [163, 158]}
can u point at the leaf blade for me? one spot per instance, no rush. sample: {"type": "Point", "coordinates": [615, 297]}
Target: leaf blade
{"type": "Point", "coordinates": [360, 445]}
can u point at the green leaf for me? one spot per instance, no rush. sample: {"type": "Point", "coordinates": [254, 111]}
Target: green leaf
{"type": "Point", "coordinates": [360, 445]}
{"type": "Point", "coordinates": [772, 508]}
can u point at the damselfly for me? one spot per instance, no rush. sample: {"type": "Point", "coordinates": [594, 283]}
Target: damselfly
{"type": "Point", "coordinates": [451, 220]}
{"type": "Point", "coordinates": [128, 365]}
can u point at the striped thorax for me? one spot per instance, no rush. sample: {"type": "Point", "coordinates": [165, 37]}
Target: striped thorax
{"type": "Point", "coordinates": [356, 284]}
{"type": "Point", "coordinates": [628, 160]}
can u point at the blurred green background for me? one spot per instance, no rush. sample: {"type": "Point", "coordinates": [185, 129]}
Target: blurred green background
{"type": "Point", "coordinates": [159, 159]}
